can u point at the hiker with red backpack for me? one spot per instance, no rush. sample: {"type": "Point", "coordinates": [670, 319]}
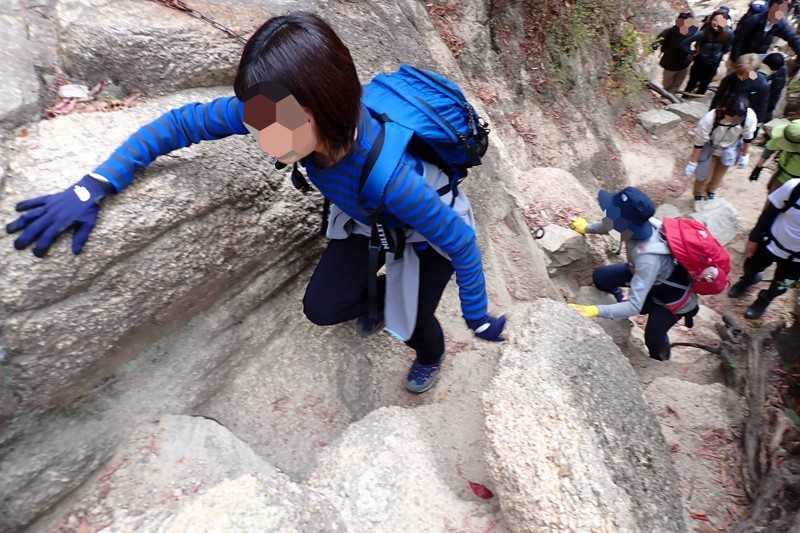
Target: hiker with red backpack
{"type": "Point", "coordinates": [298, 94]}
{"type": "Point", "coordinates": [774, 239]}
{"type": "Point", "coordinates": [669, 264]}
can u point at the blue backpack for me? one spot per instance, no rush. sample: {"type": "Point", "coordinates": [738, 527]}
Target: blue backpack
{"type": "Point", "coordinates": [427, 114]}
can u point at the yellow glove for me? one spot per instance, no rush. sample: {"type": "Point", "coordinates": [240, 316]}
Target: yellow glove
{"type": "Point", "coordinates": [579, 224]}
{"type": "Point", "coordinates": [590, 311]}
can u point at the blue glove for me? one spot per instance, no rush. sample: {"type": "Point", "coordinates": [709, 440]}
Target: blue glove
{"type": "Point", "coordinates": [50, 216]}
{"type": "Point", "coordinates": [488, 328]}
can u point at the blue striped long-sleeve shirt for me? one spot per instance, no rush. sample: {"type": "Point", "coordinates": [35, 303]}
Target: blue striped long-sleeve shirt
{"type": "Point", "coordinates": [408, 201]}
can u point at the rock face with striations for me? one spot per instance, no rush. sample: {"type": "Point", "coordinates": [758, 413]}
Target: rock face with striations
{"type": "Point", "coordinates": [562, 455]}
{"type": "Point", "coordinates": [20, 83]}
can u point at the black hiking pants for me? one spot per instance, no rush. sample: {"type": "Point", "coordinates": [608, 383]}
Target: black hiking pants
{"type": "Point", "coordinates": [700, 76]}
{"type": "Point", "coordinates": [786, 271]}
{"type": "Point", "coordinates": [660, 319]}
{"type": "Point", "coordinates": [337, 292]}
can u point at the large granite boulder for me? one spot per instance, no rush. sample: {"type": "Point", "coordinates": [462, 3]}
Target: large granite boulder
{"type": "Point", "coordinates": [192, 225]}
{"type": "Point", "coordinates": [186, 473]}
{"type": "Point", "coordinates": [571, 445]}
{"type": "Point", "coordinates": [383, 475]}
{"type": "Point", "coordinates": [721, 218]}
{"type": "Point", "coordinates": [20, 82]}
{"type": "Point", "coordinates": [179, 51]}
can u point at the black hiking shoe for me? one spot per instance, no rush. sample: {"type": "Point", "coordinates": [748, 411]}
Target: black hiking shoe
{"type": "Point", "coordinates": [739, 288]}
{"type": "Point", "coordinates": [758, 307]}
{"type": "Point", "coordinates": [366, 327]}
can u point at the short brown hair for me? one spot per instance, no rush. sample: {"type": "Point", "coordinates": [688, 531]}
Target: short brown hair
{"type": "Point", "coordinates": [301, 52]}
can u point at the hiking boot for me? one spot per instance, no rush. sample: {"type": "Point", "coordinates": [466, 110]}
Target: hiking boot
{"type": "Point", "coordinates": [710, 196]}
{"type": "Point", "coordinates": [758, 307]}
{"type": "Point", "coordinates": [739, 288]}
{"type": "Point", "coordinates": [366, 327]}
{"type": "Point", "coordinates": [422, 377]}
{"type": "Point", "coordinates": [699, 203]}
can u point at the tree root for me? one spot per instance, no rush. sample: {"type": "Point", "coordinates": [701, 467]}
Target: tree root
{"type": "Point", "coordinates": [764, 430]}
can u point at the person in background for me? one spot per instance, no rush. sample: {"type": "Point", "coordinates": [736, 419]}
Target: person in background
{"type": "Point", "coordinates": [745, 82]}
{"type": "Point", "coordinates": [774, 239]}
{"type": "Point", "coordinates": [755, 33]}
{"type": "Point", "coordinates": [756, 7]}
{"type": "Point", "coordinates": [659, 286]}
{"type": "Point", "coordinates": [777, 80]}
{"type": "Point", "coordinates": [713, 41]}
{"type": "Point", "coordinates": [673, 60]}
{"type": "Point", "coordinates": [722, 139]}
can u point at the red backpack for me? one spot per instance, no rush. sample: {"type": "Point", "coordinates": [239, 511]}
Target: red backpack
{"type": "Point", "coordinates": [695, 247]}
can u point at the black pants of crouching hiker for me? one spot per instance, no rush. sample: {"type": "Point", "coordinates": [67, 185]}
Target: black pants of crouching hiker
{"type": "Point", "coordinates": [337, 292]}
{"type": "Point", "coordinates": [786, 270]}
{"type": "Point", "coordinates": [660, 319]}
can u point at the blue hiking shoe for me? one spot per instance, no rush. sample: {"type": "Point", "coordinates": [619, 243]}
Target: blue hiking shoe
{"type": "Point", "coordinates": [423, 377]}
{"type": "Point", "coordinates": [367, 328]}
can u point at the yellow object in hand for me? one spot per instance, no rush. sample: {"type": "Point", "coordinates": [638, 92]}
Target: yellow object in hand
{"type": "Point", "coordinates": [579, 224]}
{"type": "Point", "coordinates": [590, 311]}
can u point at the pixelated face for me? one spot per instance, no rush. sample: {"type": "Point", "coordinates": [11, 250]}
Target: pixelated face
{"type": "Point", "coordinates": [718, 22]}
{"type": "Point", "coordinates": [777, 12]}
{"type": "Point", "coordinates": [732, 119]}
{"type": "Point", "coordinates": [614, 218]}
{"type": "Point", "coordinates": [684, 25]}
{"type": "Point", "coordinates": [280, 124]}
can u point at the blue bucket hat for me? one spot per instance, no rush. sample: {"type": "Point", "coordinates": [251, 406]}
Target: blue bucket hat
{"type": "Point", "coordinates": [630, 211]}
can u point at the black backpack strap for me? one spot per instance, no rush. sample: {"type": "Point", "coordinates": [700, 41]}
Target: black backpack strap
{"type": "Point", "coordinates": [326, 213]}
{"type": "Point", "coordinates": [378, 232]}
{"type": "Point", "coordinates": [793, 198]}
{"type": "Point", "coordinates": [375, 253]}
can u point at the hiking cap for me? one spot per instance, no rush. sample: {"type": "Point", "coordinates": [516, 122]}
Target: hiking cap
{"type": "Point", "coordinates": [785, 137]}
{"type": "Point", "coordinates": [630, 211]}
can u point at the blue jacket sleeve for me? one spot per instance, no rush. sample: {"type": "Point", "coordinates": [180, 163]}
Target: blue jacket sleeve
{"type": "Point", "coordinates": [175, 129]}
{"type": "Point", "coordinates": [419, 206]}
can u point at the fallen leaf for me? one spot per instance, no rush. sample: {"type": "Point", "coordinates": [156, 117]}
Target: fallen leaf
{"type": "Point", "coordinates": [481, 491]}
{"type": "Point", "coordinates": [108, 472]}
{"type": "Point", "coordinates": [701, 516]}
{"type": "Point", "coordinates": [23, 133]}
